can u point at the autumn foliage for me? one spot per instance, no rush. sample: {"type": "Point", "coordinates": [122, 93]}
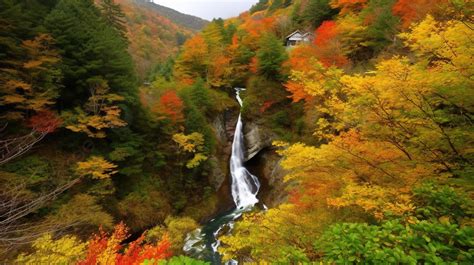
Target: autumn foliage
{"type": "Point", "coordinates": [329, 47]}
{"type": "Point", "coordinates": [415, 10]}
{"type": "Point", "coordinates": [301, 59]}
{"type": "Point", "coordinates": [171, 105]}
{"type": "Point", "coordinates": [347, 6]}
{"type": "Point", "coordinates": [108, 249]}
{"type": "Point", "coordinates": [45, 121]}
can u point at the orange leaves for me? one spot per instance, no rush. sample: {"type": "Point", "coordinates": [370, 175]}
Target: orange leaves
{"type": "Point", "coordinates": [300, 57]}
{"type": "Point", "coordinates": [415, 10]}
{"type": "Point", "coordinates": [108, 249]}
{"type": "Point", "coordinates": [256, 27]}
{"type": "Point", "coordinates": [377, 176]}
{"type": "Point", "coordinates": [40, 51]}
{"type": "Point", "coordinates": [300, 60]}
{"type": "Point", "coordinates": [297, 91]}
{"type": "Point", "coordinates": [171, 105]}
{"type": "Point", "coordinates": [329, 46]}
{"type": "Point", "coordinates": [195, 47]}
{"type": "Point", "coordinates": [45, 121]}
{"type": "Point", "coordinates": [194, 60]}
{"type": "Point", "coordinates": [325, 33]}
{"type": "Point", "coordinates": [253, 65]}
{"type": "Point", "coordinates": [220, 70]}
{"type": "Point", "coordinates": [348, 6]}
{"type": "Point", "coordinates": [137, 252]}
{"type": "Point", "coordinates": [152, 37]}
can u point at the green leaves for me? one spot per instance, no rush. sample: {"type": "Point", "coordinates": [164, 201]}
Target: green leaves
{"type": "Point", "coordinates": [270, 57]}
{"type": "Point", "coordinates": [395, 242]}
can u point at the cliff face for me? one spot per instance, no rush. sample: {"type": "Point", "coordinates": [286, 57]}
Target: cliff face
{"type": "Point", "coordinates": [261, 159]}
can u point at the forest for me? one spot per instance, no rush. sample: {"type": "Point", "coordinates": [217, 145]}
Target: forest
{"type": "Point", "coordinates": [119, 133]}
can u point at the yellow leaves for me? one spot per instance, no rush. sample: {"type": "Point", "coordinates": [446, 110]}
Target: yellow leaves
{"type": "Point", "coordinates": [12, 85]}
{"type": "Point", "coordinates": [376, 200]}
{"type": "Point", "coordinates": [96, 167]}
{"type": "Point", "coordinates": [32, 64]}
{"type": "Point", "coordinates": [13, 99]}
{"type": "Point", "coordinates": [196, 160]}
{"type": "Point", "coordinates": [101, 114]}
{"type": "Point", "coordinates": [378, 175]}
{"type": "Point", "coordinates": [324, 85]}
{"type": "Point", "coordinates": [31, 83]}
{"type": "Point", "coordinates": [192, 143]}
{"type": "Point", "coordinates": [448, 43]}
{"type": "Point", "coordinates": [265, 236]}
{"type": "Point", "coordinates": [66, 250]}
{"type": "Point", "coordinates": [189, 143]}
{"type": "Point", "coordinates": [280, 144]}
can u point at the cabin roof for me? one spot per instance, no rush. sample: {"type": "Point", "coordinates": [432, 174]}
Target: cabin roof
{"type": "Point", "coordinates": [299, 34]}
{"type": "Point", "coordinates": [294, 33]}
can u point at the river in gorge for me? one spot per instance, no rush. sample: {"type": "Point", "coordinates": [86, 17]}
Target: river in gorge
{"type": "Point", "coordinates": [203, 243]}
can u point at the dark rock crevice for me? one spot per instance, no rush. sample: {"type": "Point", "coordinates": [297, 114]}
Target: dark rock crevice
{"type": "Point", "coordinates": [261, 160]}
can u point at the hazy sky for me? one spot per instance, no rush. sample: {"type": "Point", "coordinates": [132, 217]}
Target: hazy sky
{"type": "Point", "coordinates": [209, 9]}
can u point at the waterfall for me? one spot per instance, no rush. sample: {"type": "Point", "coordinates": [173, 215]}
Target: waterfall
{"type": "Point", "coordinates": [203, 243]}
{"type": "Point", "coordinates": [245, 186]}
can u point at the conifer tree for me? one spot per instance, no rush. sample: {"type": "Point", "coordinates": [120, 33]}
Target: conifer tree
{"type": "Point", "coordinates": [114, 16]}
{"type": "Point", "coordinates": [90, 48]}
{"type": "Point", "coordinates": [270, 57]}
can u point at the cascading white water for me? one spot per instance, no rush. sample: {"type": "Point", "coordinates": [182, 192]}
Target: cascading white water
{"type": "Point", "coordinates": [245, 186]}
{"type": "Point", "coordinates": [203, 243]}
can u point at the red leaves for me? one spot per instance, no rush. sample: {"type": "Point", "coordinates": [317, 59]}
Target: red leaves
{"type": "Point", "coordinates": [97, 246]}
{"type": "Point", "coordinates": [300, 60]}
{"type": "Point", "coordinates": [253, 67]}
{"type": "Point", "coordinates": [325, 33]}
{"type": "Point", "coordinates": [329, 48]}
{"type": "Point", "coordinates": [414, 10]}
{"type": "Point", "coordinates": [45, 121]}
{"type": "Point", "coordinates": [266, 105]}
{"type": "Point", "coordinates": [172, 106]}
{"type": "Point", "coordinates": [137, 252]}
{"type": "Point", "coordinates": [107, 249]}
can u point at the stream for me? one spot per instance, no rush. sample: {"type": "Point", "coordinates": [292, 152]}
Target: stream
{"type": "Point", "coordinates": [203, 243]}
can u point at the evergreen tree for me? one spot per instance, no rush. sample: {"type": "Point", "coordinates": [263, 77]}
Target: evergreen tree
{"type": "Point", "coordinates": [27, 78]}
{"type": "Point", "coordinates": [200, 97]}
{"type": "Point", "coordinates": [270, 57]}
{"type": "Point", "coordinates": [384, 24]}
{"type": "Point", "coordinates": [317, 11]}
{"type": "Point", "coordinates": [114, 16]}
{"type": "Point", "coordinates": [90, 48]}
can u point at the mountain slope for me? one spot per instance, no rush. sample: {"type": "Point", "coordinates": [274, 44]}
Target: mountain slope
{"type": "Point", "coordinates": [188, 21]}
{"type": "Point", "coordinates": [155, 32]}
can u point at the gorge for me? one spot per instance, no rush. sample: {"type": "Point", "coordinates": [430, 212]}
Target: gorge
{"type": "Point", "coordinates": [203, 243]}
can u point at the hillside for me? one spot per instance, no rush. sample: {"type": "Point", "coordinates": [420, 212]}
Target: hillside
{"type": "Point", "coordinates": [187, 21]}
{"type": "Point", "coordinates": [298, 132]}
{"type": "Point", "coordinates": [155, 32]}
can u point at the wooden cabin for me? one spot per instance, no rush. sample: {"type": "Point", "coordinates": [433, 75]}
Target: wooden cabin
{"type": "Point", "coordinates": [298, 37]}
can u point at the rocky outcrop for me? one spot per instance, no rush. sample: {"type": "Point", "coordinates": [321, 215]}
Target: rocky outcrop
{"type": "Point", "coordinates": [266, 166]}
{"type": "Point", "coordinates": [220, 159]}
{"type": "Point", "coordinates": [257, 138]}
{"type": "Point", "coordinates": [259, 154]}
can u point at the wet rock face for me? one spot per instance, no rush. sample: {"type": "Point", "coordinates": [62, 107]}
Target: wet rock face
{"type": "Point", "coordinates": [257, 138]}
{"type": "Point", "coordinates": [258, 142]}
{"type": "Point", "coordinates": [266, 166]}
{"type": "Point", "coordinates": [224, 126]}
